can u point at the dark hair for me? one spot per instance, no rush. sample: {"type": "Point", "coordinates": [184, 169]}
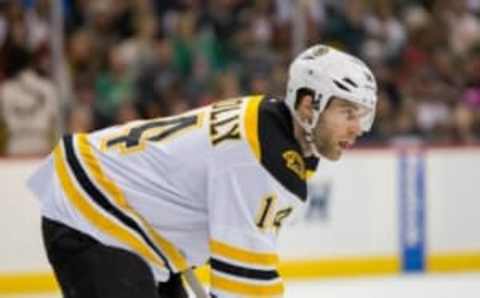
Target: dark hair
{"type": "Point", "coordinates": [15, 57]}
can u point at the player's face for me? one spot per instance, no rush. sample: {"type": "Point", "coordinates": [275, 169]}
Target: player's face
{"type": "Point", "coordinates": [337, 128]}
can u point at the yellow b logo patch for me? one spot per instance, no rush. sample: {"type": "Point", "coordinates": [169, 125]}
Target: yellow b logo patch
{"type": "Point", "coordinates": [295, 162]}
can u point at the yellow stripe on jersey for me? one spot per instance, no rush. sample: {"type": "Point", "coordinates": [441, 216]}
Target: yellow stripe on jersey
{"type": "Point", "coordinates": [243, 255]}
{"type": "Point", "coordinates": [309, 174]}
{"type": "Point", "coordinates": [246, 289]}
{"type": "Point", "coordinates": [251, 124]}
{"type": "Point", "coordinates": [95, 217]}
{"type": "Point", "coordinates": [115, 193]}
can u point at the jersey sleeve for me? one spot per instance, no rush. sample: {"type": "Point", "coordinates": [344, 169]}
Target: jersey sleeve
{"type": "Point", "coordinates": [243, 244]}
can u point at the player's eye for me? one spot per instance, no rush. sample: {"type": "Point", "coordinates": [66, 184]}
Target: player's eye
{"type": "Point", "coordinates": [350, 113]}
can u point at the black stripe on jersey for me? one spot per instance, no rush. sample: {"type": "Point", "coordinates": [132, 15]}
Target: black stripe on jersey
{"type": "Point", "coordinates": [99, 198]}
{"type": "Point", "coordinates": [240, 271]}
{"type": "Point", "coordinates": [275, 129]}
{"type": "Point", "coordinates": [311, 163]}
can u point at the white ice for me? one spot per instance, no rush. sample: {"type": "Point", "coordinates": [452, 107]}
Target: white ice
{"type": "Point", "coordinates": [465, 285]}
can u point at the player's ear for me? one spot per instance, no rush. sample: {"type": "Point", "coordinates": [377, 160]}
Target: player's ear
{"type": "Point", "coordinates": [304, 107]}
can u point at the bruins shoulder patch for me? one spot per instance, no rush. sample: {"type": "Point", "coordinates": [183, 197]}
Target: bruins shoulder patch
{"type": "Point", "coordinates": [294, 162]}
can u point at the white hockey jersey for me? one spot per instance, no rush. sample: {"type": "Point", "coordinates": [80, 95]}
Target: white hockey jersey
{"type": "Point", "coordinates": [211, 185]}
{"type": "Point", "coordinates": [28, 107]}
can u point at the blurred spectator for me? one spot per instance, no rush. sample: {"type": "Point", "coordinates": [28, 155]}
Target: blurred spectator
{"type": "Point", "coordinates": [28, 101]}
{"type": "Point", "coordinates": [82, 65]}
{"type": "Point", "coordinates": [156, 78]}
{"type": "Point", "coordinates": [100, 24]}
{"type": "Point", "coordinates": [385, 113]}
{"type": "Point", "coordinates": [406, 131]}
{"type": "Point", "coordinates": [314, 13]}
{"type": "Point", "coordinates": [471, 95]}
{"type": "Point", "coordinates": [386, 35]}
{"type": "Point", "coordinates": [259, 84]}
{"type": "Point", "coordinates": [114, 86]}
{"type": "Point", "coordinates": [184, 42]}
{"type": "Point", "coordinates": [138, 51]}
{"type": "Point", "coordinates": [224, 18]}
{"type": "Point", "coordinates": [126, 112]}
{"type": "Point", "coordinates": [80, 119]}
{"type": "Point", "coordinates": [199, 82]}
{"type": "Point", "coordinates": [463, 124]}
{"type": "Point", "coordinates": [226, 85]}
{"type": "Point", "coordinates": [38, 22]}
{"type": "Point", "coordinates": [463, 26]}
{"type": "Point", "coordinates": [346, 28]}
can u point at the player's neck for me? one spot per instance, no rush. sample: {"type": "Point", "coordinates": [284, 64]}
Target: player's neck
{"type": "Point", "coordinates": [300, 136]}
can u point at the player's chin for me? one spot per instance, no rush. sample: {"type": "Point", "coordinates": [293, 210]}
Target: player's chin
{"type": "Point", "coordinates": [333, 154]}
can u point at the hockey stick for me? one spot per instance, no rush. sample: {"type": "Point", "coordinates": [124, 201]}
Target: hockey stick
{"type": "Point", "coordinates": [194, 284]}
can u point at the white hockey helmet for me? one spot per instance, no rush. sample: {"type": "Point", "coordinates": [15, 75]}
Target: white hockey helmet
{"type": "Point", "coordinates": [327, 72]}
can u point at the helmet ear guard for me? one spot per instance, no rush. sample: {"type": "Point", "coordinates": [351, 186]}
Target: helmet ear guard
{"type": "Point", "coordinates": [301, 92]}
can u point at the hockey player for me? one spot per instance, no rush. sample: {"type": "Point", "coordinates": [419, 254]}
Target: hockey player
{"type": "Point", "coordinates": [128, 208]}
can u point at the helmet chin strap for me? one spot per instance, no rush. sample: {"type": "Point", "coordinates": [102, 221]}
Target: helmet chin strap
{"type": "Point", "coordinates": [311, 144]}
{"type": "Point", "coordinates": [315, 151]}
{"type": "Point", "coordinates": [308, 128]}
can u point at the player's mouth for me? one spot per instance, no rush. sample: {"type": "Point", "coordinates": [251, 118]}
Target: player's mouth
{"type": "Point", "coordinates": [345, 144]}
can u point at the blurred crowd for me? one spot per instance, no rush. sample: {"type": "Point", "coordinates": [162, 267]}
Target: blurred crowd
{"type": "Point", "coordinates": [129, 59]}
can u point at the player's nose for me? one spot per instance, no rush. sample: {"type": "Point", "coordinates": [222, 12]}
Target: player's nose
{"type": "Point", "coordinates": [355, 129]}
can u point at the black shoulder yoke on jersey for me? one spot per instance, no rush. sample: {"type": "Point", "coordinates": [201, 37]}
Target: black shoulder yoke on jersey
{"type": "Point", "coordinates": [281, 154]}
